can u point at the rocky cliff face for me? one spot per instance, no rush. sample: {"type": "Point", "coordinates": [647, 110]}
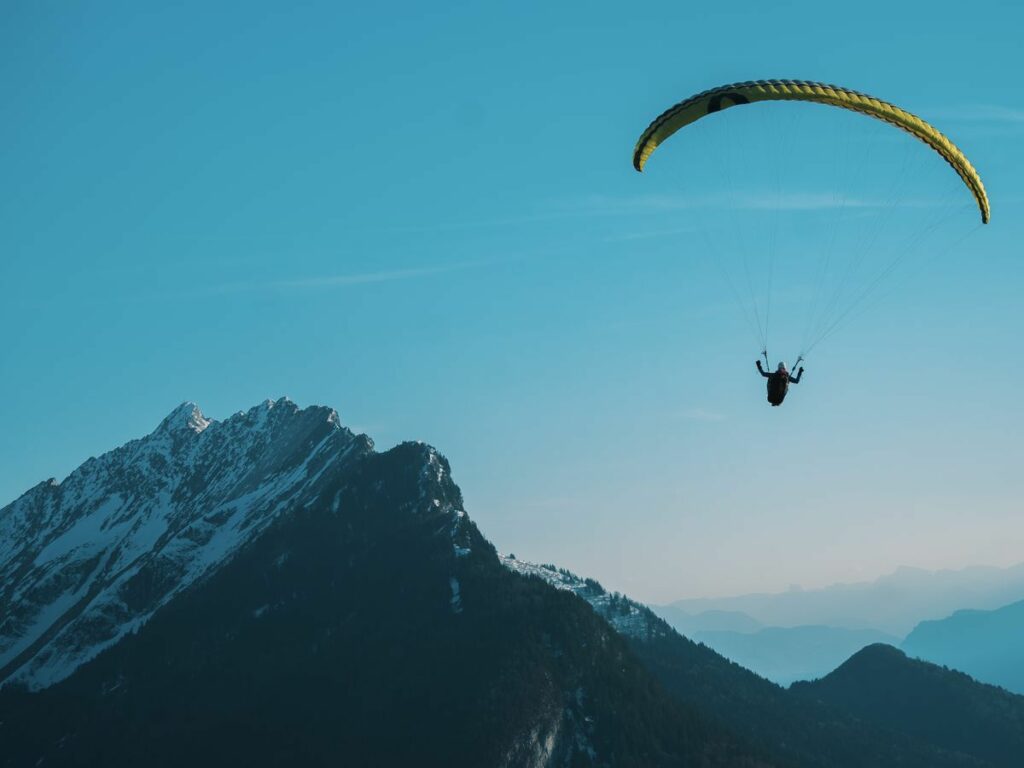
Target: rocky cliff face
{"type": "Point", "coordinates": [269, 590]}
{"type": "Point", "coordinates": [87, 560]}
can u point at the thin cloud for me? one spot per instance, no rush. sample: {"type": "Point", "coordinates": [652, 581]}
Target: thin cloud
{"type": "Point", "coordinates": [822, 202]}
{"type": "Point", "coordinates": [983, 120]}
{"type": "Point", "coordinates": [983, 113]}
{"type": "Point", "coordinates": [386, 276]}
{"type": "Point", "coordinates": [805, 201]}
{"type": "Point", "coordinates": [343, 280]}
{"type": "Point", "coordinates": [556, 503]}
{"type": "Point", "coordinates": [601, 206]}
{"type": "Point", "coordinates": [627, 236]}
{"type": "Point", "coordinates": [701, 414]}
{"type": "Point", "coordinates": [507, 221]}
{"type": "Point", "coordinates": [787, 201]}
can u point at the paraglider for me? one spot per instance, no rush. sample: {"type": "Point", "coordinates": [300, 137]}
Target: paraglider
{"type": "Point", "coordinates": [827, 306]}
{"type": "Point", "coordinates": [717, 99]}
{"type": "Point", "coordinates": [779, 381]}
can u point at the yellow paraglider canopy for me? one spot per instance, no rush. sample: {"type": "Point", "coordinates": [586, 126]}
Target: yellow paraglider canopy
{"type": "Point", "coordinates": [694, 108]}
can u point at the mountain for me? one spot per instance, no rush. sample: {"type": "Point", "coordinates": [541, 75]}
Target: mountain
{"type": "Point", "coordinates": [803, 730]}
{"type": "Point", "coordinates": [893, 604]}
{"type": "Point", "coordinates": [781, 654]}
{"type": "Point", "coordinates": [786, 654]}
{"type": "Point", "coordinates": [269, 590]}
{"type": "Point", "coordinates": [85, 561]}
{"type": "Point", "coordinates": [947, 708]}
{"type": "Point", "coordinates": [690, 624]}
{"type": "Point", "coordinates": [988, 645]}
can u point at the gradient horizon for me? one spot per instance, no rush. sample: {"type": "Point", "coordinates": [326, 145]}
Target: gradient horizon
{"type": "Point", "coordinates": [428, 221]}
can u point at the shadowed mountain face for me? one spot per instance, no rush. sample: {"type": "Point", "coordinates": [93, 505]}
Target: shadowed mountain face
{"type": "Point", "coordinates": [988, 645]}
{"type": "Point", "coordinates": [804, 730]}
{"type": "Point", "coordinates": [357, 617]}
{"type": "Point", "coordinates": [87, 560]}
{"type": "Point", "coordinates": [947, 708]}
{"type": "Point", "coordinates": [269, 590]}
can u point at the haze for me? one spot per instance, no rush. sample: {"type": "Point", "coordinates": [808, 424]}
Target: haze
{"type": "Point", "coordinates": [427, 219]}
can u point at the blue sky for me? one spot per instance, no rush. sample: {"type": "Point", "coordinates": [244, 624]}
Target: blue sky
{"type": "Point", "coordinates": [427, 219]}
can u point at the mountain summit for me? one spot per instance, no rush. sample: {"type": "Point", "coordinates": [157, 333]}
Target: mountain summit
{"type": "Point", "coordinates": [86, 560]}
{"type": "Point", "coordinates": [187, 416]}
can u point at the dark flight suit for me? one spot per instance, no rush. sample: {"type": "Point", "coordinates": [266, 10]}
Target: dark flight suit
{"type": "Point", "coordinates": [778, 383]}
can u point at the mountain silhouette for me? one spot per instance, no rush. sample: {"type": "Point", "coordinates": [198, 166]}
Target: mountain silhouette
{"type": "Point", "coordinates": [945, 707]}
{"type": "Point", "coordinates": [988, 645]}
{"type": "Point", "coordinates": [270, 590]}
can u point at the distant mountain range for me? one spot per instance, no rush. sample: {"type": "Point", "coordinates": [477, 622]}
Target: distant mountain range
{"type": "Point", "coordinates": [781, 654]}
{"type": "Point", "coordinates": [893, 604]}
{"type": "Point", "coordinates": [741, 629]}
{"type": "Point", "coordinates": [691, 624]}
{"type": "Point", "coordinates": [988, 645]}
{"type": "Point", "coordinates": [787, 654]}
{"type": "Point", "coordinates": [269, 590]}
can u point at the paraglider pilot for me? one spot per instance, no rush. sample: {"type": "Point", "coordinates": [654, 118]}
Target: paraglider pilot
{"type": "Point", "coordinates": [779, 381]}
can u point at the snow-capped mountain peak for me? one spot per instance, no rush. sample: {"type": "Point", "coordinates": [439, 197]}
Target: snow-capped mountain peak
{"type": "Point", "coordinates": [88, 559]}
{"type": "Point", "coordinates": [186, 416]}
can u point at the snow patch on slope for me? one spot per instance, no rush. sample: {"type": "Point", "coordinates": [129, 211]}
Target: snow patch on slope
{"type": "Point", "coordinates": [628, 617]}
{"type": "Point", "coordinates": [85, 561]}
